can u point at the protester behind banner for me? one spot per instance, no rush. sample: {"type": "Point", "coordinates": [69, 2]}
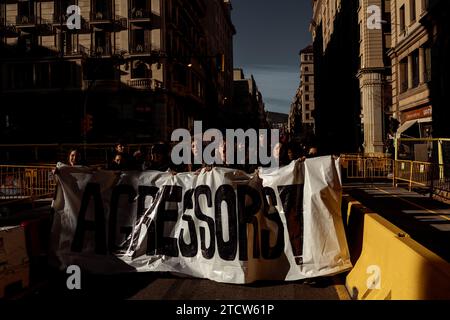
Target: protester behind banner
{"type": "Point", "coordinates": [223, 224]}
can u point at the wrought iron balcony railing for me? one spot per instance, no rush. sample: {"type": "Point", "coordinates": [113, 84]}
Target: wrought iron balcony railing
{"type": "Point", "coordinates": [101, 16]}
{"type": "Point", "coordinates": [145, 84]}
{"type": "Point", "coordinates": [139, 14]}
{"type": "Point", "coordinates": [140, 48]}
{"type": "Point", "coordinates": [26, 20]}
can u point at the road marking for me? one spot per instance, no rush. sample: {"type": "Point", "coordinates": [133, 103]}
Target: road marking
{"type": "Point", "coordinates": [414, 204]}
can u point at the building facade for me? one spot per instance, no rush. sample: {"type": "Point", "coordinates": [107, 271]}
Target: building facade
{"type": "Point", "coordinates": [248, 109]}
{"type": "Point", "coordinates": [374, 72]}
{"type": "Point", "coordinates": [411, 68]}
{"type": "Point", "coordinates": [336, 39]}
{"type": "Point", "coordinates": [295, 116]}
{"type": "Point", "coordinates": [437, 22]}
{"type": "Point", "coordinates": [135, 69]}
{"type": "Point", "coordinates": [301, 117]}
{"type": "Point", "coordinates": [307, 87]}
{"type": "Point", "coordinates": [220, 31]}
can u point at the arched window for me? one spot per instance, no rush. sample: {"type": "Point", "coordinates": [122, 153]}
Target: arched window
{"type": "Point", "coordinates": [141, 71]}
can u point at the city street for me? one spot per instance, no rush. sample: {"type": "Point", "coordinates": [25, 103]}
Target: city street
{"type": "Point", "coordinates": [160, 286]}
{"type": "Point", "coordinates": [220, 150]}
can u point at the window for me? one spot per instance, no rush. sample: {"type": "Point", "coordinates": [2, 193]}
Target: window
{"type": "Point", "coordinates": [402, 18]}
{"type": "Point", "coordinates": [61, 8]}
{"type": "Point", "coordinates": [427, 75]}
{"type": "Point", "coordinates": [25, 10]}
{"type": "Point", "coordinates": [387, 27]}
{"type": "Point", "coordinates": [306, 78]}
{"type": "Point", "coordinates": [306, 88]}
{"type": "Point", "coordinates": [140, 71]}
{"type": "Point", "coordinates": [415, 68]}
{"type": "Point", "coordinates": [307, 97]}
{"type": "Point", "coordinates": [140, 41]}
{"type": "Point", "coordinates": [102, 43]}
{"type": "Point", "coordinates": [66, 42]}
{"type": "Point", "coordinates": [403, 75]}
{"type": "Point", "coordinates": [101, 10]}
{"type": "Point", "coordinates": [412, 10]}
{"type": "Point", "coordinates": [307, 107]}
{"type": "Point", "coordinates": [306, 68]}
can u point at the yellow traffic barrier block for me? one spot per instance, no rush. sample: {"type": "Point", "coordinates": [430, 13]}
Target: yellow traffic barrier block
{"type": "Point", "coordinates": [353, 213]}
{"type": "Point", "coordinates": [392, 266]}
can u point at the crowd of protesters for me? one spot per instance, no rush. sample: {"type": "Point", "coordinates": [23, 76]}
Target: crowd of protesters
{"type": "Point", "coordinates": [158, 157]}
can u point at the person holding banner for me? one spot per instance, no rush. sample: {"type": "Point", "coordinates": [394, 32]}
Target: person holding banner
{"type": "Point", "coordinates": [159, 158]}
{"type": "Point", "coordinates": [74, 158]}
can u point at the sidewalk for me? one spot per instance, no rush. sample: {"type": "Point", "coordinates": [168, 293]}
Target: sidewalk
{"type": "Point", "coordinates": [426, 220]}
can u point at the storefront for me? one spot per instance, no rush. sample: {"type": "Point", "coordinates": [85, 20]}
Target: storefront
{"type": "Point", "coordinates": [416, 123]}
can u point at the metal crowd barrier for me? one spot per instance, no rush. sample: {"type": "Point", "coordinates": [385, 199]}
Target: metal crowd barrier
{"type": "Point", "coordinates": [19, 183]}
{"type": "Point", "coordinates": [431, 176]}
{"type": "Point", "coordinates": [415, 173]}
{"type": "Point", "coordinates": [356, 167]}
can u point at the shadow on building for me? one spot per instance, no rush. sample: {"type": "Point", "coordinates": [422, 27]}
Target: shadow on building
{"type": "Point", "coordinates": [437, 22]}
{"type": "Point", "coordinates": [337, 102]}
{"type": "Point", "coordinates": [50, 100]}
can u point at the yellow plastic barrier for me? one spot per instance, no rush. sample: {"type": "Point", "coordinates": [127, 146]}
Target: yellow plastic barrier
{"type": "Point", "coordinates": [392, 266]}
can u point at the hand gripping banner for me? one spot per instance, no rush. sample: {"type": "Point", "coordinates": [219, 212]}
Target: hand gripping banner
{"type": "Point", "coordinates": [223, 225]}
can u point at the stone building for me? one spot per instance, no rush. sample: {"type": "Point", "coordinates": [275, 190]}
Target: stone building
{"type": "Point", "coordinates": [374, 72]}
{"type": "Point", "coordinates": [136, 69]}
{"type": "Point", "coordinates": [301, 117]}
{"type": "Point", "coordinates": [336, 40]}
{"type": "Point", "coordinates": [249, 108]}
{"type": "Point", "coordinates": [411, 65]}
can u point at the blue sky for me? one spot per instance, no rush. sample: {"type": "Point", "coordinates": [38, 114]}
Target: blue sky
{"type": "Point", "coordinates": [269, 36]}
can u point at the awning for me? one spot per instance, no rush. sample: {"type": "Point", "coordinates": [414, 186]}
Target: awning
{"type": "Point", "coordinates": [405, 126]}
{"type": "Point", "coordinates": [424, 120]}
{"type": "Point", "coordinates": [409, 124]}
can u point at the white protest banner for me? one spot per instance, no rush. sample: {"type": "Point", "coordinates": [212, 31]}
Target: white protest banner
{"type": "Point", "coordinates": [223, 225]}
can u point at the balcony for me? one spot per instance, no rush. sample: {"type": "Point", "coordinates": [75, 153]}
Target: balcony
{"type": "Point", "coordinates": [60, 21]}
{"type": "Point", "coordinates": [71, 50]}
{"type": "Point", "coordinates": [44, 27]}
{"type": "Point", "coordinates": [140, 48]}
{"type": "Point", "coordinates": [100, 17]}
{"type": "Point", "coordinates": [120, 23]}
{"type": "Point", "coordinates": [101, 51]}
{"type": "Point", "coordinates": [8, 29]}
{"type": "Point", "coordinates": [145, 84]}
{"type": "Point", "coordinates": [26, 21]}
{"type": "Point", "coordinates": [139, 15]}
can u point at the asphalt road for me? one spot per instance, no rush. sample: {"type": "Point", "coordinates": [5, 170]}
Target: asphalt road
{"type": "Point", "coordinates": [164, 286]}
